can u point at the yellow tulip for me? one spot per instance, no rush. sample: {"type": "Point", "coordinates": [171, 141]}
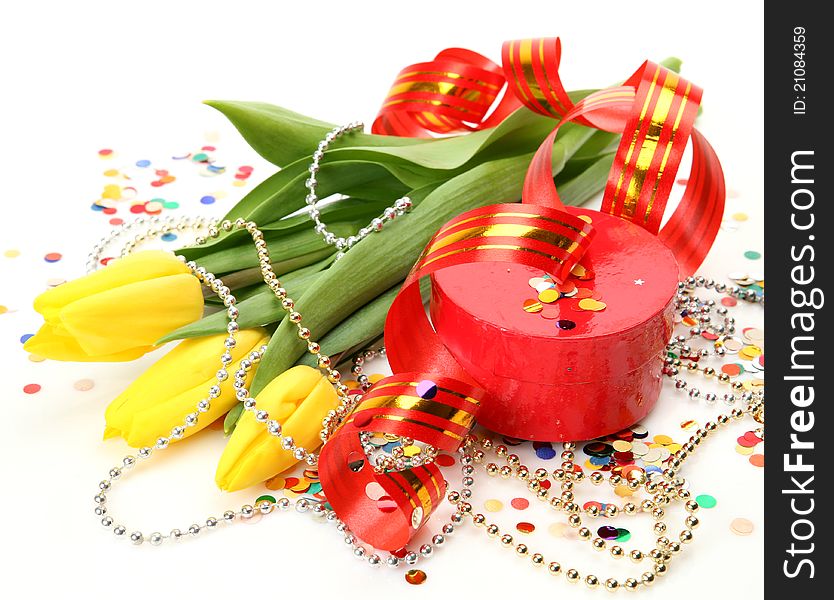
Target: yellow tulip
{"type": "Point", "coordinates": [160, 398]}
{"type": "Point", "coordinates": [117, 313]}
{"type": "Point", "coordinates": [299, 398]}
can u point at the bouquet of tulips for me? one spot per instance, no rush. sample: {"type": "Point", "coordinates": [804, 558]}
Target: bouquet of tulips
{"type": "Point", "coordinates": [150, 298]}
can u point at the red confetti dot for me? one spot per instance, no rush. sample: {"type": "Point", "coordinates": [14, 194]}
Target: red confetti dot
{"type": "Point", "coordinates": [386, 504]}
{"type": "Point", "coordinates": [519, 503]}
{"type": "Point", "coordinates": [157, 183]}
{"type": "Point", "coordinates": [106, 260]}
{"type": "Point", "coordinates": [31, 388]}
{"type": "Point", "coordinates": [53, 257]}
{"type": "Point", "coordinates": [138, 208]}
{"type": "Point", "coordinates": [445, 460]}
{"type": "Point", "coordinates": [727, 301]}
{"type": "Point", "coordinates": [208, 148]}
{"type": "Point", "coordinates": [105, 152]}
{"type": "Point", "coordinates": [109, 211]}
{"type": "Point", "coordinates": [246, 169]}
{"type": "Point", "coordinates": [525, 527]}
{"type": "Point", "coordinates": [116, 221]}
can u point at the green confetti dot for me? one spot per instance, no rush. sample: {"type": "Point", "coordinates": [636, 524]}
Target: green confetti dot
{"type": "Point", "coordinates": [752, 255]}
{"type": "Point", "coordinates": [706, 501]}
{"type": "Point", "coordinates": [268, 498]}
{"type": "Point", "coordinates": [170, 204]}
{"type": "Point", "coordinates": [623, 535]}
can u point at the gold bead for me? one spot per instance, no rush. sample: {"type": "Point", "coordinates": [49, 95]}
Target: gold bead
{"type": "Point", "coordinates": [479, 519]}
{"type": "Point", "coordinates": [629, 508]}
{"type": "Point", "coordinates": [464, 507]}
{"type": "Point", "coordinates": [505, 472]}
{"type": "Point", "coordinates": [691, 506]}
{"type": "Point", "coordinates": [542, 494]}
{"type": "Point", "coordinates": [572, 575]}
{"type": "Point", "coordinates": [554, 568]}
{"type": "Point", "coordinates": [507, 539]}
{"type": "Point", "coordinates": [501, 450]}
{"type": "Point", "coordinates": [584, 533]}
{"type": "Point", "coordinates": [617, 551]}
{"type": "Point", "coordinates": [513, 460]}
{"type": "Point", "coordinates": [630, 584]}
{"type": "Point", "coordinates": [709, 372]}
{"type": "Point", "coordinates": [635, 556]}
{"type": "Point", "coordinates": [591, 581]}
{"type": "Point", "coordinates": [598, 543]}
{"type": "Point", "coordinates": [660, 569]}
{"type": "Point", "coordinates": [523, 473]}
{"type": "Point", "coordinates": [611, 584]}
{"type": "Point", "coordinates": [574, 520]}
{"type": "Point", "coordinates": [596, 477]}
{"type": "Point", "coordinates": [559, 474]}
{"type": "Point", "coordinates": [492, 469]}
{"type": "Point", "coordinates": [492, 530]}
{"type": "Point", "coordinates": [567, 496]}
{"type": "Point", "coordinates": [593, 510]}
{"type": "Point", "coordinates": [537, 559]}
{"type": "Point", "coordinates": [541, 474]}
{"type": "Point", "coordinates": [674, 548]}
{"type": "Point", "coordinates": [533, 485]}
{"type": "Point", "coordinates": [556, 503]}
{"type": "Point", "coordinates": [659, 527]}
{"type": "Point", "coordinates": [647, 578]}
{"type": "Point", "coordinates": [521, 549]}
{"type": "Point", "coordinates": [486, 443]}
{"type": "Point", "coordinates": [568, 456]}
{"type": "Point", "coordinates": [692, 521]}
{"type": "Point", "coordinates": [662, 542]}
{"type": "Point", "coordinates": [611, 510]}
{"type": "Point", "coordinates": [656, 555]}
{"type": "Point", "coordinates": [686, 536]}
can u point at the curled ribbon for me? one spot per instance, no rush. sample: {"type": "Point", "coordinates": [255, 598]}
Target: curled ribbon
{"type": "Point", "coordinates": [460, 91]}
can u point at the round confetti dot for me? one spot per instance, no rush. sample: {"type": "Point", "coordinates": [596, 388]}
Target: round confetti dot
{"type": "Point", "coordinates": [386, 504]}
{"type": "Point", "coordinates": [520, 503]}
{"type": "Point", "coordinates": [3, 309]}
{"type": "Point", "coordinates": [11, 253]}
{"type": "Point", "coordinates": [170, 205]}
{"type": "Point", "coordinates": [53, 257]}
{"type": "Point", "coordinates": [740, 216]}
{"type": "Point", "coordinates": [741, 526]}
{"type": "Point", "coordinates": [732, 369]}
{"type": "Point", "coordinates": [623, 535]}
{"type": "Point", "coordinates": [25, 337]}
{"type": "Point", "coordinates": [607, 532]}
{"type": "Point", "coordinates": [35, 358]}
{"type": "Point", "coordinates": [621, 445]}
{"type": "Point", "coordinates": [143, 163]}
{"type": "Point", "coordinates": [31, 388]}
{"type": "Point", "coordinates": [752, 255]}
{"type": "Point", "coordinates": [207, 200]}
{"type": "Point", "coordinates": [727, 301]}
{"type": "Point", "coordinates": [426, 389]}
{"type": "Point", "coordinates": [662, 439]}
{"type": "Point", "coordinates": [83, 385]}
{"type": "Point", "coordinates": [565, 324]}
{"type": "Point", "coordinates": [374, 491]}
{"type": "Point", "coordinates": [415, 576]}
{"type": "Point", "coordinates": [525, 527]}
{"type": "Point", "coordinates": [546, 453]}
{"type": "Point", "coordinates": [549, 295]}
{"type": "Point", "coordinates": [493, 505]}
{"type": "Point", "coordinates": [744, 450]}
{"type": "Point", "coordinates": [105, 152]}
{"type": "Point", "coordinates": [757, 460]}
{"type": "Point", "coordinates": [168, 237]}
{"type": "Point", "coordinates": [531, 305]}
{"type": "Point", "coordinates": [116, 221]}
{"type": "Point", "coordinates": [551, 312]}
{"type": "Point", "coordinates": [444, 460]}
{"type": "Point", "coordinates": [706, 501]}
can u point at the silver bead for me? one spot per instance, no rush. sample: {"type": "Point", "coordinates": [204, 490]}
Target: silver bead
{"type": "Point", "coordinates": [176, 535]}
{"type": "Point", "coordinates": [107, 521]}
{"type": "Point", "coordinates": [359, 552]}
{"type": "Point", "coordinates": [426, 550]}
{"type": "Point", "coordinates": [411, 558]}
{"type": "Point", "coordinates": [100, 498]}
{"type": "Point", "coordinates": [302, 505]}
{"type": "Point", "coordinates": [137, 538]}
{"type": "Point", "coordinates": [211, 522]}
{"type": "Point", "coordinates": [194, 529]}
{"type": "Point", "coordinates": [246, 511]}
{"type": "Point", "coordinates": [119, 530]}
{"type": "Point", "coordinates": [115, 473]}
{"type": "Point", "coordinates": [283, 503]}
{"type": "Point", "coordinates": [392, 561]}
{"type": "Point", "coordinates": [229, 516]}
{"type": "Point", "coordinates": [438, 540]}
{"type": "Point", "coordinates": [374, 560]}
{"type": "Point", "coordinates": [156, 538]}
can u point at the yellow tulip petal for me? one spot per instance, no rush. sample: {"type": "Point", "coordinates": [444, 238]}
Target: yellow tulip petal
{"type": "Point", "coordinates": [159, 399]}
{"type": "Point", "coordinates": [133, 315]}
{"type": "Point", "coordinates": [252, 455]}
{"type": "Point", "coordinates": [139, 266]}
{"type": "Point", "coordinates": [50, 343]}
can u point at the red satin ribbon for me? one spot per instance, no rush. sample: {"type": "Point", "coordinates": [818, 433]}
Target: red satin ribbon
{"type": "Point", "coordinates": [654, 109]}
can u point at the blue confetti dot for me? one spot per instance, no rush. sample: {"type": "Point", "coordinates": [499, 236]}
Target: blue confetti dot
{"type": "Point", "coordinates": [25, 337]}
{"type": "Point", "coordinates": [97, 207]}
{"type": "Point", "coordinates": [599, 460]}
{"type": "Point", "coordinates": [207, 200]}
{"type": "Point", "coordinates": [545, 453]}
{"type": "Point", "coordinates": [168, 237]}
{"type": "Point", "coordinates": [143, 163]}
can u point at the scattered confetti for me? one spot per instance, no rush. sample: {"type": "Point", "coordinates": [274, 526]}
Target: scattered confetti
{"type": "Point", "coordinates": [706, 501]}
{"type": "Point", "coordinates": [31, 388]}
{"type": "Point", "coordinates": [11, 253]}
{"type": "Point", "coordinates": [105, 153]}
{"type": "Point", "coordinates": [752, 255]}
{"type": "Point", "coordinates": [741, 526]}
{"type": "Point", "coordinates": [36, 358]}
{"type": "Point", "coordinates": [525, 527]}
{"type": "Point", "coordinates": [83, 385]}
{"type": "Point", "coordinates": [415, 576]}
{"type": "Point", "coordinates": [520, 503]}
{"type": "Point", "coordinates": [53, 257]}
{"type": "Point", "coordinates": [757, 460]}
{"type": "Point", "coordinates": [207, 200]}
{"type": "Point", "coordinates": [25, 337]}
{"type": "Point", "coordinates": [740, 217]}
{"type": "Point", "coordinates": [493, 505]}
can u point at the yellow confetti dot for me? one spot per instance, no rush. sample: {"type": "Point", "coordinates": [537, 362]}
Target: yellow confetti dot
{"type": "Point", "coordinates": [549, 295]}
{"type": "Point", "coordinates": [219, 195]}
{"type": "Point", "coordinates": [352, 384]}
{"type": "Point", "coordinates": [238, 183]}
{"type": "Point", "coordinates": [375, 377]}
{"type": "Point", "coordinates": [621, 445]}
{"type": "Point", "coordinates": [112, 192]}
{"type": "Point", "coordinates": [623, 491]}
{"type": "Point", "coordinates": [3, 309]}
{"type": "Point", "coordinates": [276, 483]}
{"type": "Point", "coordinates": [11, 253]}
{"type": "Point", "coordinates": [578, 270]}
{"type": "Point", "coordinates": [493, 505]}
{"type": "Point", "coordinates": [673, 447]}
{"type": "Point", "coordinates": [743, 450]}
{"type": "Point", "coordinates": [591, 304]}
{"type": "Point", "coordinates": [663, 439]}
{"type": "Point", "coordinates": [740, 216]}
{"type": "Point", "coordinates": [111, 172]}
{"type": "Point", "coordinates": [36, 358]}
{"type": "Point", "coordinates": [586, 218]}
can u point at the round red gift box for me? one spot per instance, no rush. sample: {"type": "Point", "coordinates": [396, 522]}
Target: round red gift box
{"type": "Point", "coordinates": [546, 380]}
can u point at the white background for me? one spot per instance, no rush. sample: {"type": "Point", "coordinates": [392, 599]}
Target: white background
{"type": "Point", "coordinates": [79, 76]}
